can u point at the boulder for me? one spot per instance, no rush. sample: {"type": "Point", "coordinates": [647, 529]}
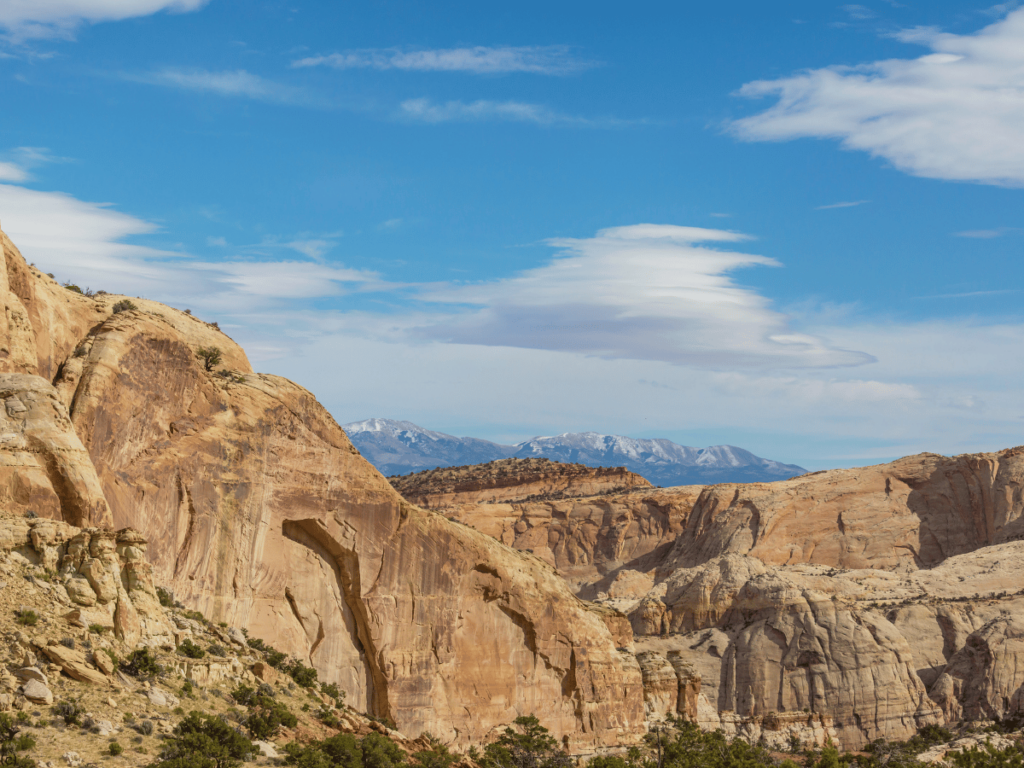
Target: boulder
{"type": "Point", "coordinates": [37, 692]}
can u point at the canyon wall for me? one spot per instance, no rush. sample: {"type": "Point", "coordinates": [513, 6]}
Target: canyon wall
{"type": "Point", "coordinates": [259, 512]}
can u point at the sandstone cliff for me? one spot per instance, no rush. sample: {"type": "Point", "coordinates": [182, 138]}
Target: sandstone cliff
{"type": "Point", "coordinates": [259, 512]}
{"type": "Point", "coordinates": [854, 604]}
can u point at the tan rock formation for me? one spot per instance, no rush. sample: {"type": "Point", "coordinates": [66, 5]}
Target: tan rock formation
{"type": "Point", "coordinates": [259, 512]}
{"type": "Point", "coordinates": [509, 480]}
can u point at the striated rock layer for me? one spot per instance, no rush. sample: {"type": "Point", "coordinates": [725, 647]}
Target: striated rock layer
{"type": "Point", "coordinates": [851, 604]}
{"type": "Point", "coordinates": [259, 512]}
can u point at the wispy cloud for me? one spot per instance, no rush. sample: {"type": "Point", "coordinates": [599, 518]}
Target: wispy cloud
{"type": "Point", "coordinates": [428, 111]}
{"type": "Point", "coordinates": [956, 113]}
{"type": "Point", "coordinates": [479, 60]}
{"type": "Point", "coordinates": [851, 204]}
{"type": "Point", "coordinates": [859, 12]}
{"type": "Point", "coordinates": [986, 234]}
{"type": "Point", "coordinates": [28, 19]}
{"type": "Point", "coordinates": [20, 161]}
{"type": "Point", "coordinates": [236, 83]}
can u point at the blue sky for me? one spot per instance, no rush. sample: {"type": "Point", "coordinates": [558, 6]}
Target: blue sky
{"type": "Point", "coordinates": [794, 227]}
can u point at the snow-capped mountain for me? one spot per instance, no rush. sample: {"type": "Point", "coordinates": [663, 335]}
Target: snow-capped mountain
{"type": "Point", "coordinates": [400, 447]}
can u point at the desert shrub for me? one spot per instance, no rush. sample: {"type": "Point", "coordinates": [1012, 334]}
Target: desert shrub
{"type": "Point", "coordinates": [97, 629]}
{"type": "Point", "coordinates": [129, 717]}
{"type": "Point", "coordinates": [68, 642]}
{"type": "Point", "coordinates": [300, 673]}
{"type": "Point", "coordinates": [123, 306]}
{"type": "Point", "coordinates": [187, 688]}
{"type": "Point", "coordinates": [140, 664]}
{"type": "Point", "coordinates": [205, 741]}
{"type": "Point", "coordinates": [341, 751]}
{"type": "Point", "coordinates": [526, 745]}
{"type": "Point", "coordinates": [24, 742]}
{"type": "Point", "coordinates": [987, 756]}
{"type": "Point", "coordinates": [165, 597]}
{"type": "Point", "coordinates": [115, 749]}
{"type": "Point", "coordinates": [211, 357]}
{"type": "Point", "coordinates": [265, 689]}
{"type": "Point", "coordinates": [269, 715]}
{"type": "Point", "coordinates": [381, 752]}
{"type": "Point", "coordinates": [332, 690]}
{"type": "Point", "coordinates": [69, 711]}
{"type": "Point", "coordinates": [217, 650]}
{"type": "Point", "coordinates": [438, 756]}
{"type": "Point", "coordinates": [195, 616]}
{"type": "Point", "coordinates": [27, 617]}
{"type": "Point", "coordinates": [72, 287]}
{"type": "Point", "coordinates": [145, 727]}
{"type": "Point", "coordinates": [325, 714]}
{"type": "Point", "coordinates": [9, 745]}
{"type": "Point", "coordinates": [245, 695]}
{"type": "Point", "coordinates": [190, 649]}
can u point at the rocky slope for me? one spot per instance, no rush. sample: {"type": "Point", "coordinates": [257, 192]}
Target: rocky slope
{"type": "Point", "coordinates": [259, 512]}
{"type": "Point", "coordinates": [508, 480]}
{"type": "Point", "coordinates": [857, 603]}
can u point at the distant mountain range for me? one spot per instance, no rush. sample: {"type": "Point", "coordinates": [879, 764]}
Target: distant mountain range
{"type": "Point", "coordinates": [401, 447]}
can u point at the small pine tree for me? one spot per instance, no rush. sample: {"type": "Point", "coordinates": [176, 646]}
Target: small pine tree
{"type": "Point", "coordinates": [211, 357]}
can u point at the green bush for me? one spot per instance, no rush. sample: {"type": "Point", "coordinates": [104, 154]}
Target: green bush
{"type": "Point", "coordinates": [187, 688]}
{"type": "Point", "coordinates": [190, 649]}
{"type": "Point", "coordinates": [27, 617]}
{"type": "Point", "coordinates": [987, 756]}
{"type": "Point", "coordinates": [140, 664]}
{"type": "Point", "coordinates": [300, 673]}
{"type": "Point", "coordinates": [115, 748]}
{"type": "Point", "coordinates": [145, 728]}
{"type": "Point", "coordinates": [211, 357]}
{"type": "Point", "coordinates": [123, 306]}
{"type": "Point", "coordinates": [97, 629]}
{"type": "Point", "coordinates": [381, 752]}
{"type": "Point", "coordinates": [72, 287]}
{"type": "Point", "coordinates": [326, 716]}
{"type": "Point", "coordinates": [195, 616]}
{"type": "Point", "coordinates": [165, 597]}
{"type": "Point", "coordinates": [341, 751]}
{"type": "Point", "coordinates": [269, 715]}
{"type": "Point", "coordinates": [205, 741]}
{"type": "Point", "coordinates": [69, 711]}
{"type": "Point", "coordinates": [332, 690]}
{"type": "Point", "coordinates": [9, 745]}
{"type": "Point", "coordinates": [527, 745]}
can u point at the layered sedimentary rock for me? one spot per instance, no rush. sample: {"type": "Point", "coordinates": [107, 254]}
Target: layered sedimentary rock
{"type": "Point", "coordinates": [851, 604]}
{"type": "Point", "coordinates": [509, 480]}
{"type": "Point", "coordinates": [259, 512]}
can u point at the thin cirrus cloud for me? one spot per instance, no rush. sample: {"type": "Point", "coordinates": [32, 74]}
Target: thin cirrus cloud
{"type": "Point", "coordinates": [985, 234]}
{"type": "Point", "coordinates": [429, 111]}
{"type": "Point", "coordinates": [643, 292]}
{"type": "Point", "coordinates": [28, 19]}
{"type": "Point", "coordinates": [478, 60]}
{"type": "Point", "coordinates": [956, 113]}
{"type": "Point", "coordinates": [850, 204]}
{"type": "Point", "coordinates": [238, 83]}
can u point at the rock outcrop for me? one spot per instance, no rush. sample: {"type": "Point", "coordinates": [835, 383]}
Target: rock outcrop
{"type": "Point", "coordinates": [259, 512]}
{"type": "Point", "coordinates": [510, 480]}
{"type": "Point", "coordinates": [851, 604]}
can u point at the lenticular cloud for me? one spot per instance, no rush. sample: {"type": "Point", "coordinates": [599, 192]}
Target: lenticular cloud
{"type": "Point", "coordinates": [644, 292]}
{"type": "Point", "coordinates": [956, 113]}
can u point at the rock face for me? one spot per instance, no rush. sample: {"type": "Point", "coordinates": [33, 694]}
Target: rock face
{"type": "Point", "coordinates": [510, 480]}
{"type": "Point", "coordinates": [259, 512]}
{"type": "Point", "coordinates": [104, 573]}
{"type": "Point", "coordinates": [871, 600]}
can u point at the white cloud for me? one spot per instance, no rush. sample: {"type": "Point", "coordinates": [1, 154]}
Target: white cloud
{"type": "Point", "coordinates": [859, 12]}
{"type": "Point", "coordinates": [641, 292]}
{"type": "Point", "coordinates": [85, 242]}
{"type": "Point", "coordinates": [545, 60]}
{"type": "Point", "coordinates": [956, 113]}
{"type": "Point", "coordinates": [429, 111]}
{"type": "Point", "coordinates": [852, 204]}
{"type": "Point", "coordinates": [239, 82]}
{"type": "Point", "coordinates": [25, 19]}
{"type": "Point", "coordinates": [12, 172]}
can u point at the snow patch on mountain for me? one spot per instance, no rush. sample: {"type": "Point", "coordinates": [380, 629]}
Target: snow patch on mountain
{"type": "Point", "coordinates": [399, 447]}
